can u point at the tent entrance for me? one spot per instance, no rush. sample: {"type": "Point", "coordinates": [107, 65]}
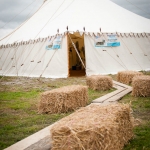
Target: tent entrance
{"type": "Point", "coordinates": [76, 67]}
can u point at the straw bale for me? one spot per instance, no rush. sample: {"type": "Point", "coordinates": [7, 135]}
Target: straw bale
{"type": "Point", "coordinates": [127, 76]}
{"type": "Point", "coordinates": [141, 86]}
{"type": "Point", "coordinates": [94, 127]}
{"type": "Point", "coordinates": [63, 99]}
{"type": "Point", "coordinates": [99, 82]}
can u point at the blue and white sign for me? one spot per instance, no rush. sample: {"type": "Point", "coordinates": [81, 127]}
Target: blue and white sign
{"type": "Point", "coordinates": [110, 42]}
{"type": "Point", "coordinates": [54, 44]}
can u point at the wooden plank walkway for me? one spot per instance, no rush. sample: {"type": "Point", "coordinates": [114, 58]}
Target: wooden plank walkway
{"type": "Point", "coordinates": [121, 91]}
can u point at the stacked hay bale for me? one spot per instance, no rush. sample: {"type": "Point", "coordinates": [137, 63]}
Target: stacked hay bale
{"type": "Point", "coordinates": [94, 127]}
{"type": "Point", "coordinates": [63, 99]}
{"type": "Point", "coordinates": [99, 82]}
{"type": "Point", "coordinates": [141, 86]}
{"type": "Point", "coordinates": [127, 76]}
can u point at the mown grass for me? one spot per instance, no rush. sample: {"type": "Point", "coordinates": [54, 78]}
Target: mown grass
{"type": "Point", "coordinates": [19, 117]}
{"type": "Point", "coordinates": [141, 112]}
{"type": "Point", "coordinates": [19, 97]}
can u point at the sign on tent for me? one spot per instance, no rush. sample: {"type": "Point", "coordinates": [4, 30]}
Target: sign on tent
{"type": "Point", "coordinates": [54, 43]}
{"type": "Point", "coordinates": [111, 41]}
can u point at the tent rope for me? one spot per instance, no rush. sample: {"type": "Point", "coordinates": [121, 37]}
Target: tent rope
{"type": "Point", "coordinates": [96, 56]}
{"type": "Point", "coordinates": [8, 55]}
{"type": "Point", "coordinates": [26, 58]}
{"type": "Point", "coordinates": [115, 60]}
{"type": "Point", "coordinates": [138, 8]}
{"type": "Point", "coordinates": [16, 61]}
{"type": "Point", "coordinates": [8, 64]}
{"type": "Point", "coordinates": [41, 29]}
{"type": "Point", "coordinates": [42, 55]}
{"type": "Point", "coordinates": [117, 56]}
{"type": "Point", "coordinates": [40, 48]}
{"type": "Point", "coordinates": [41, 7]}
{"type": "Point", "coordinates": [39, 59]}
{"type": "Point", "coordinates": [17, 15]}
{"type": "Point", "coordinates": [141, 48]}
{"type": "Point", "coordinates": [14, 32]}
{"type": "Point", "coordinates": [50, 19]}
{"type": "Point", "coordinates": [76, 51]}
{"type": "Point", "coordinates": [20, 57]}
{"type": "Point", "coordinates": [4, 74]}
{"type": "Point", "coordinates": [148, 38]}
{"type": "Point", "coordinates": [130, 52]}
{"type": "Point", "coordinates": [23, 51]}
{"type": "Point", "coordinates": [10, 34]}
{"type": "Point", "coordinates": [48, 63]}
{"type": "Point", "coordinates": [62, 11]}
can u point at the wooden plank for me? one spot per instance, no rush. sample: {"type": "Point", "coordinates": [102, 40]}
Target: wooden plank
{"type": "Point", "coordinates": [34, 140]}
{"type": "Point", "coordinates": [118, 87]}
{"type": "Point", "coordinates": [119, 95]}
{"type": "Point", "coordinates": [105, 97]}
{"type": "Point", "coordinates": [121, 84]}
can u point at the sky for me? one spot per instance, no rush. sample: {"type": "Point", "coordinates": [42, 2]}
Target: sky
{"type": "Point", "coordinates": [15, 12]}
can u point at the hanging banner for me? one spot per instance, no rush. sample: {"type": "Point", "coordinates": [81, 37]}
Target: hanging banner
{"type": "Point", "coordinates": [54, 43]}
{"type": "Point", "coordinates": [111, 41]}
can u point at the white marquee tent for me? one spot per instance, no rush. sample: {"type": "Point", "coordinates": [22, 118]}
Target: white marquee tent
{"type": "Point", "coordinates": [30, 49]}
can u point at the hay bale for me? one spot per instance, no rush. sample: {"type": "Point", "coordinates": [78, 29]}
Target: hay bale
{"type": "Point", "coordinates": [99, 82]}
{"type": "Point", "coordinates": [63, 99]}
{"type": "Point", "coordinates": [141, 86]}
{"type": "Point", "coordinates": [127, 76]}
{"type": "Point", "coordinates": [94, 128]}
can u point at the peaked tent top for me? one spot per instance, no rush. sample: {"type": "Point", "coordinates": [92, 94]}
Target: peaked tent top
{"type": "Point", "coordinates": [76, 14]}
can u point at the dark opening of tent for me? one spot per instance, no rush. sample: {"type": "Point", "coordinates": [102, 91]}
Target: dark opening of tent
{"type": "Point", "coordinates": [76, 54]}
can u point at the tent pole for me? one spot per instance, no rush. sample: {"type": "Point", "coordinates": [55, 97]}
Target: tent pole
{"type": "Point", "coordinates": [76, 51]}
{"type": "Point", "coordinates": [68, 56]}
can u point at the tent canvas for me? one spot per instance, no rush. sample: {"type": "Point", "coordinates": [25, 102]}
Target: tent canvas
{"type": "Point", "coordinates": [24, 52]}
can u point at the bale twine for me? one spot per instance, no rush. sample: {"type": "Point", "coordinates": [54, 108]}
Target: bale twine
{"type": "Point", "coordinates": [141, 86]}
{"type": "Point", "coordinates": [63, 99]}
{"type": "Point", "coordinates": [127, 76]}
{"type": "Point", "coordinates": [94, 128]}
{"type": "Point", "coordinates": [99, 82]}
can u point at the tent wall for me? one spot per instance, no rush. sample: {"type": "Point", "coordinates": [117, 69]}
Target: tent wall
{"type": "Point", "coordinates": [132, 54]}
{"type": "Point", "coordinates": [33, 60]}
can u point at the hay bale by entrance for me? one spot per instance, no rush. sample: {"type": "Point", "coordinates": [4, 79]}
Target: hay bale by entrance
{"type": "Point", "coordinates": [94, 127]}
{"type": "Point", "coordinates": [99, 82]}
{"type": "Point", "coordinates": [63, 99]}
{"type": "Point", "coordinates": [141, 86]}
{"type": "Point", "coordinates": [127, 76]}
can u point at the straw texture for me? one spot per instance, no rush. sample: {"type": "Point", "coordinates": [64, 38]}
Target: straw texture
{"type": "Point", "coordinates": [127, 76]}
{"type": "Point", "coordinates": [94, 128]}
{"type": "Point", "coordinates": [141, 86]}
{"type": "Point", "coordinates": [63, 99]}
{"type": "Point", "coordinates": [99, 82]}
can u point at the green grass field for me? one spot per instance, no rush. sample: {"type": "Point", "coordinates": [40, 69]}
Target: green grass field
{"type": "Point", "coordinates": [19, 117]}
{"type": "Point", "coordinates": [141, 112]}
{"type": "Point", "coordinates": [19, 97]}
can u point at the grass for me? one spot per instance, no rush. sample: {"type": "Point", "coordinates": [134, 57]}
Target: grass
{"type": "Point", "coordinates": [19, 117]}
{"type": "Point", "coordinates": [141, 111]}
{"type": "Point", "coordinates": [18, 106]}
{"type": "Point", "coordinates": [142, 138]}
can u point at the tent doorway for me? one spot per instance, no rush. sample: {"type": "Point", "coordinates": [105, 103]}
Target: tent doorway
{"type": "Point", "coordinates": [76, 68]}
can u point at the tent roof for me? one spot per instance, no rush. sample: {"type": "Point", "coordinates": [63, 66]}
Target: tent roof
{"type": "Point", "coordinates": [76, 14]}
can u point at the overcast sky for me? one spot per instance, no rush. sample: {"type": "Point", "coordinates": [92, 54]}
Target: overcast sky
{"type": "Point", "coordinates": [14, 12]}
